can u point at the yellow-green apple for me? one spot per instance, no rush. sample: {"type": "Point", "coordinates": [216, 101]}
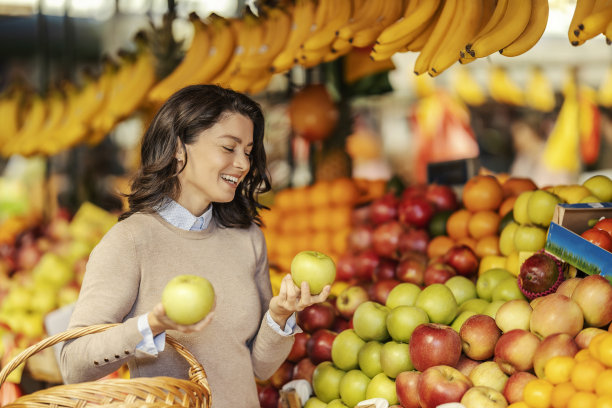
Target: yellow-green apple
{"type": "Point", "coordinates": [404, 294]}
{"type": "Point", "coordinates": [345, 350]}
{"type": "Point", "coordinates": [507, 289]}
{"type": "Point", "coordinates": [395, 358]}
{"type": "Point", "coordinates": [519, 210]}
{"type": "Point", "coordinates": [488, 280]}
{"type": "Point", "coordinates": [529, 238]}
{"type": "Point", "coordinates": [314, 402]}
{"type": "Point", "coordinates": [489, 374]}
{"type": "Point", "coordinates": [475, 305]}
{"type": "Point", "coordinates": [411, 270]}
{"type": "Point", "coordinates": [460, 319]}
{"type": "Point", "coordinates": [558, 344]}
{"type": "Point", "coordinates": [314, 267]}
{"type": "Point", "coordinates": [303, 369]}
{"type": "Point", "coordinates": [466, 365]}
{"type": "Point", "coordinates": [594, 296]}
{"type": "Point", "coordinates": [441, 384]}
{"type": "Point", "coordinates": [326, 381]}
{"type": "Point", "coordinates": [370, 321]}
{"type": "Point", "coordinates": [483, 397]}
{"type": "Point", "coordinates": [584, 337]}
{"type": "Point", "coordinates": [32, 325]}
{"type": "Point", "coordinates": [319, 345]}
{"type": "Point", "coordinates": [298, 350]}
{"type": "Point", "coordinates": [349, 299]}
{"type": "Point", "coordinates": [463, 288]}
{"type": "Point", "coordinates": [438, 302]}
{"type": "Point", "coordinates": [438, 272]}
{"type": "Point", "coordinates": [53, 270]}
{"type": "Point", "coordinates": [506, 239]}
{"type": "Point", "coordinates": [515, 350]}
{"type": "Point", "coordinates": [541, 207]}
{"type": "Point", "coordinates": [567, 286]}
{"type": "Point", "coordinates": [187, 299]}
{"type": "Point", "coordinates": [556, 314]}
{"type": "Point", "coordinates": [382, 386]}
{"type": "Point", "coordinates": [44, 299]}
{"type": "Point", "coordinates": [479, 334]}
{"type": "Point", "coordinates": [600, 185]}
{"type": "Point", "coordinates": [434, 344]}
{"type": "Point", "coordinates": [406, 388]}
{"type": "Point", "coordinates": [68, 294]}
{"type": "Point", "coordinates": [317, 316]}
{"type": "Point", "coordinates": [402, 320]}
{"type": "Point", "coordinates": [493, 307]}
{"type": "Point", "coordinates": [514, 314]}
{"type": "Point", "coordinates": [353, 387]}
{"type": "Point", "coordinates": [369, 358]}
{"type": "Point", "coordinates": [337, 403]}
{"type": "Point", "coordinates": [513, 391]}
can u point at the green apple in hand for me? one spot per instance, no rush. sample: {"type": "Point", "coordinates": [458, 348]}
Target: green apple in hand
{"type": "Point", "coordinates": [353, 387]}
{"type": "Point", "coordinates": [314, 267]}
{"type": "Point", "coordinates": [187, 299]}
{"type": "Point", "coordinates": [438, 302]}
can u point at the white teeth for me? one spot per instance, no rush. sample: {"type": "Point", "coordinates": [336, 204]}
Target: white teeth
{"type": "Point", "coordinates": [230, 178]}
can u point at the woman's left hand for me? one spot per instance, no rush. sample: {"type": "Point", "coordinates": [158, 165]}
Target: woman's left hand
{"type": "Point", "coordinates": [292, 298]}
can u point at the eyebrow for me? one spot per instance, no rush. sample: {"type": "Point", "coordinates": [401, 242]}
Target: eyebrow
{"type": "Point", "coordinates": [236, 139]}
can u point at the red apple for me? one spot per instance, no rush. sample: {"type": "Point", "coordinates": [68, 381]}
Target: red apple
{"type": "Point", "coordinates": [441, 384]}
{"type": "Point", "coordinates": [479, 334]}
{"type": "Point", "coordinates": [466, 365]}
{"type": "Point", "coordinates": [515, 350]}
{"type": "Point", "coordinates": [268, 396]}
{"type": "Point", "coordinates": [346, 267]}
{"type": "Point", "coordinates": [384, 209]}
{"type": "Point", "coordinates": [604, 224]}
{"type": "Point", "coordinates": [360, 238]}
{"type": "Point", "coordinates": [598, 237]}
{"type": "Point", "coordinates": [556, 314]}
{"type": "Point", "coordinates": [385, 239]}
{"type": "Point", "coordinates": [438, 272]}
{"type": "Point", "coordinates": [411, 270]}
{"type": "Point", "coordinates": [594, 296]}
{"type": "Point", "coordinates": [379, 291]}
{"type": "Point", "coordinates": [317, 316]}
{"type": "Point", "coordinates": [406, 388]}
{"type": "Point", "coordinates": [415, 190]}
{"type": "Point", "coordinates": [558, 344]}
{"type": "Point", "coordinates": [341, 324]}
{"type": "Point", "coordinates": [283, 374]}
{"type": "Point", "coordinates": [463, 259]}
{"type": "Point", "coordinates": [513, 390]}
{"type": "Point", "coordinates": [434, 344]}
{"type": "Point", "coordinates": [319, 345]}
{"type": "Point", "coordinates": [361, 215]}
{"type": "Point", "coordinates": [415, 211]}
{"type": "Point", "coordinates": [303, 369]}
{"type": "Point", "coordinates": [366, 262]}
{"type": "Point", "coordinates": [298, 350]}
{"type": "Point", "coordinates": [349, 299]}
{"type": "Point", "coordinates": [413, 240]}
{"type": "Point", "coordinates": [385, 269]}
{"type": "Point", "coordinates": [443, 197]}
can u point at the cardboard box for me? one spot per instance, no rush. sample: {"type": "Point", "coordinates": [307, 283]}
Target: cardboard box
{"type": "Point", "coordinates": [564, 241]}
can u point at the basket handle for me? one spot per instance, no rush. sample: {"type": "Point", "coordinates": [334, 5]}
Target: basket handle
{"type": "Point", "coordinates": [196, 371]}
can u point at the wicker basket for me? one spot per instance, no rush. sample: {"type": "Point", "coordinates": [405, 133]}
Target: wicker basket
{"type": "Point", "coordinates": [144, 392]}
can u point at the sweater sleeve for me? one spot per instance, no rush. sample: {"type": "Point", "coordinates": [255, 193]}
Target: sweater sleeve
{"type": "Point", "coordinates": [107, 295]}
{"type": "Point", "coordinates": [269, 349]}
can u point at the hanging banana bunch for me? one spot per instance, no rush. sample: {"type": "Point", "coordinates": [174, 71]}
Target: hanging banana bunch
{"type": "Point", "coordinates": [590, 18]}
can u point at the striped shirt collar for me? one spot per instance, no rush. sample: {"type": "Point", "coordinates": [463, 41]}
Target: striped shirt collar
{"type": "Point", "coordinates": [180, 217]}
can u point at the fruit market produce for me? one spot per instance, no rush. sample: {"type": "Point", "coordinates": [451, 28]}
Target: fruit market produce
{"type": "Point", "coordinates": [590, 19]}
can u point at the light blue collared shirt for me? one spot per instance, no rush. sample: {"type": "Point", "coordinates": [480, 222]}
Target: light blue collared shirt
{"type": "Point", "coordinates": [180, 217]}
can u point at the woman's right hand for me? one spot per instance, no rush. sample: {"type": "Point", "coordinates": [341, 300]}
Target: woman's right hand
{"type": "Point", "coordinates": [160, 322]}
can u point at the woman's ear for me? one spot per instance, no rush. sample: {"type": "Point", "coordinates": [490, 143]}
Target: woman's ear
{"type": "Point", "coordinates": [180, 153]}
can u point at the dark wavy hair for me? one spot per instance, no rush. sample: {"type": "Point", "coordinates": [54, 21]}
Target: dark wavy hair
{"type": "Point", "coordinates": [181, 119]}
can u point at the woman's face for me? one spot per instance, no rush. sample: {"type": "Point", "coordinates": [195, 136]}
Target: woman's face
{"type": "Point", "coordinates": [218, 162]}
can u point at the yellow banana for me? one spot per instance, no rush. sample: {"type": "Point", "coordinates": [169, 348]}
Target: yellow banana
{"type": "Point", "coordinates": [595, 23]}
{"type": "Point", "coordinates": [303, 14]}
{"type": "Point", "coordinates": [421, 39]}
{"type": "Point", "coordinates": [422, 62]}
{"type": "Point", "coordinates": [583, 9]}
{"type": "Point", "coordinates": [503, 89]}
{"type": "Point", "coordinates": [219, 52]}
{"type": "Point", "coordinates": [340, 46]}
{"type": "Point", "coordinates": [533, 32]}
{"type": "Point", "coordinates": [35, 115]}
{"type": "Point", "coordinates": [392, 10]}
{"type": "Point", "coordinates": [259, 84]}
{"type": "Point", "coordinates": [256, 29]}
{"type": "Point", "coordinates": [9, 112]}
{"type": "Point", "coordinates": [493, 20]}
{"type": "Point", "coordinates": [467, 88]}
{"type": "Point", "coordinates": [462, 29]}
{"type": "Point", "coordinates": [506, 31]}
{"type": "Point", "coordinates": [183, 73]}
{"type": "Point", "coordinates": [311, 58]}
{"type": "Point", "coordinates": [539, 93]}
{"type": "Point", "coordinates": [364, 16]}
{"type": "Point", "coordinates": [325, 34]}
{"type": "Point", "coordinates": [604, 93]}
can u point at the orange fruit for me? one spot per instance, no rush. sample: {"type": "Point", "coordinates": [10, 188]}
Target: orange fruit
{"type": "Point", "coordinates": [343, 191]}
{"type": "Point", "coordinates": [483, 223]}
{"type": "Point", "coordinates": [585, 373]}
{"type": "Point", "coordinates": [561, 394]}
{"type": "Point", "coordinates": [339, 242]}
{"type": "Point", "coordinates": [516, 185]}
{"type": "Point", "coordinates": [604, 401]}
{"type": "Point", "coordinates": [339, 217]}
{"type": "Point", "coordinates": [488, 245]}
{"type": "Point", "coordinates": [507, 205]}
{"type": "Point", "coordinates": [482, 193]}
{"type": "Point", "coordinates": [469, 241]}
{"type": "Point", "coordinates": [558, 369]}
{"type": "Point", "coordinates": [583, 355]}
{"type": "Point", "coordinates": [320, 219]}
{"type": "Point", "coordinates": [518, 404]}
{"type": "Point", "coordinates": [603, 383]}
{"type": "Point", "coordinates": [582, 399]}
{"type": "Point", "coordinates": [593, 347]}
{"type": "Point", "coordinates": [605, 349]}
{"type": "Point", "coordinates": [439, 245]}
{"type": "Point", "coordinates": [537, 393]}
{"type": "Point", "coordinates": [457, 224]}
{"type": "Point", "coordinates": [319, 194]}
{"type": "Point", "coordinates": [271, 219]}
{"type": "Point", "coordinates": [322, 242]}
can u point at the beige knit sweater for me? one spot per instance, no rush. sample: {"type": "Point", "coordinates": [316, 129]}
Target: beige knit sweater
{"type": "Point", "coordinates": [125, 276]}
